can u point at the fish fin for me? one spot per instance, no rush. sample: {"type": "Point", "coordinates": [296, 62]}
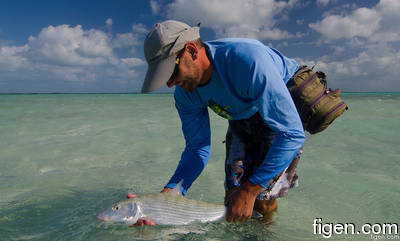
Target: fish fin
{"type": "Point", "coordinates": [178, 188]}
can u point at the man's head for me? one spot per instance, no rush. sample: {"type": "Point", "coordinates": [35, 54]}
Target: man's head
{"type": "Point", "coordinates": [161, 48]}
{"type": "Point", "coordinates": [192, 67]}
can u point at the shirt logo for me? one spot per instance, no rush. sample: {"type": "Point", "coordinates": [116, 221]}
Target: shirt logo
{"type": "Point", "coordinates": [219, 110]}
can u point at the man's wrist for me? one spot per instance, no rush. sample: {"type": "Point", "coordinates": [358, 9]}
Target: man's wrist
{"type": "Point", "coordinates": [252, 188]}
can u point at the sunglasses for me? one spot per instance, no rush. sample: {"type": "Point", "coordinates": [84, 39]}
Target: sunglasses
{"type": "Point", "coordinates": [177, 61]}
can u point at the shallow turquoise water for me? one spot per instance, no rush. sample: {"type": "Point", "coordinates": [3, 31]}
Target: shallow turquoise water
{"type": "Point", "coordinates": [64, 158]}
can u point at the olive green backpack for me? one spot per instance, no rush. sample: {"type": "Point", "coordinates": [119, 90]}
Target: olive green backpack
{"type": "Point", "coordinates": [317, 105]}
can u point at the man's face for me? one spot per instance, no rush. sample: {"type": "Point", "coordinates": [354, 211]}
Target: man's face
{"type": "Point", "coordinates": [188, 76]}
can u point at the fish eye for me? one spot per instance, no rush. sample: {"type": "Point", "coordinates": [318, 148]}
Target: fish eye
{"type": "Point", "coordinates": [115, 208]}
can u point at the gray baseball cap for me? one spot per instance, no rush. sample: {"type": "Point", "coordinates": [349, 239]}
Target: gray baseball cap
{"type": "Point", "coordinates": [160, 46]}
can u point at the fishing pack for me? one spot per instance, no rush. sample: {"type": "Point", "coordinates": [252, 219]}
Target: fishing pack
{"type": "Point", "coordinates": [317, 105]}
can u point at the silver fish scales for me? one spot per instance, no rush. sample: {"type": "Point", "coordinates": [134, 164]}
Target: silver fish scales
{"type": "Point", "coordinates": [163, 208]}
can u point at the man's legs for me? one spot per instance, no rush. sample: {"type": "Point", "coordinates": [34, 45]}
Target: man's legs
{"type": "Point", "coordinates": [236, 169]}
{"type": "Point", "coordinates": [267, 208]}
{"type": "Point", "coordinates": [247, 144]}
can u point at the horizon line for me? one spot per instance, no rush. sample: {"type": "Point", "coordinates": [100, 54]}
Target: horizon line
{"type": "Point", "coordinates": [169, 92]}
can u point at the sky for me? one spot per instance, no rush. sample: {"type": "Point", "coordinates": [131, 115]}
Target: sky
{"type": "Point", "coordinates": [89, 46]}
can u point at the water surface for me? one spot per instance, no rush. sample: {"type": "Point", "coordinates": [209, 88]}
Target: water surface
{"type": "Point", "coordinates": [64, 158]}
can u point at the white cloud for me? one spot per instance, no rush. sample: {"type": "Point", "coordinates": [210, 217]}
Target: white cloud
{"type": "Point", "coordinates": [155, 6]}
{"type": "Point", "coordinates": [139, 28]}
{"type": "Point", "coordinates": [65, 53]}
{"type": "Point", "coordinates": [130, 40]}
{"type": "Point", "coordinates": [376, 24]}
{"type": "Point", "coordinates": [132, 62]}
{"type": "Point", "coordinates": [11, 58]}
{"type": "Point", "coordinates": [300, 21]}
{"type": "Point", "coordinates": [365, 44]}
{"type": "Point", "coordinates": [125, 40]}
{"type": "Point", "coordinates": [67, 45]}
{"type": "Point", "coordinates": [363, 22]}
{"type": "Point", "coordinates": [373, 69]}
{"type": "Point", "coordinates": [67, 73]}
{"type": "Point", "coordinates": [389, 27]}
{"type": "Point", "coordinates": [231, 18]}
{"type": "Point", "coordinates": [109, 22]}
{"type": "Point", "coordinates": [322, 2]}
{"type": "Point", "coordinates": [325, 2]}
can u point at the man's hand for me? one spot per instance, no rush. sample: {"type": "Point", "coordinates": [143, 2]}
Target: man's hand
{"type": "Point", "coordinates": [241, 202]}
{"type": "Point", "coordinates": [145, 222]}
{"type": "Point", "coordinates": [166, 189]}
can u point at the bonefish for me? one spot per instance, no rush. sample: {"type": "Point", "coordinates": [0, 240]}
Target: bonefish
{"type": "Point", "coordinates": [163, 208]}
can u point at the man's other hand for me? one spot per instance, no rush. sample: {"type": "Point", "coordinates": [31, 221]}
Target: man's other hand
{"type": "Point", "coordinates": [241, 202]}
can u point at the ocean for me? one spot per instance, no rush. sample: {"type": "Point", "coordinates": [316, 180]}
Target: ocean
{"type": "Point", "coordinates": [66, 157]}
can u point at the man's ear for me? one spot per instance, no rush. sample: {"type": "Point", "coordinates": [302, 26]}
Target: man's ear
{"type": "Point", "coordinates": [192, 49]}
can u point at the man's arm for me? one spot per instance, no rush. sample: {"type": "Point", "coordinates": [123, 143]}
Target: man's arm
{"type": "Point", "coordinates": [196, 130]}
{"type": "Point", "coordinates": [277, 109]}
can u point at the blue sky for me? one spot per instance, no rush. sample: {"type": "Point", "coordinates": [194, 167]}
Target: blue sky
{"type": "Point", "coordinates": [97, 46]}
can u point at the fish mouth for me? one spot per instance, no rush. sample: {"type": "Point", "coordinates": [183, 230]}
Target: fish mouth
{"type": "Point", "coordinates": [104, 219]}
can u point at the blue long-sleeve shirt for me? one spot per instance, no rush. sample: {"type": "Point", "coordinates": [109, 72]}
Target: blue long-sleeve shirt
{"type": "Point", "coordinates": [248, 77]}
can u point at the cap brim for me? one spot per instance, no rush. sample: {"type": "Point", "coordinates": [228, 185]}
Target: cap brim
{"type": "Point", "coordinates": [158, 74]}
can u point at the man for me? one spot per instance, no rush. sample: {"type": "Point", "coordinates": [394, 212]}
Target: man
{"type": "Point", "coordinates": [243, 81]}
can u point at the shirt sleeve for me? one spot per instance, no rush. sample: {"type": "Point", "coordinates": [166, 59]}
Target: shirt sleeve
{"type": "Point", "coordinates": [268, 92]}
{"type": "Point", "coordinates": [196, 130]}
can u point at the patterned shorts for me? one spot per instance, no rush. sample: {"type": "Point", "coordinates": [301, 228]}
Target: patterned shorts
{"type": "Point", "coordinates": [247, 144]}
